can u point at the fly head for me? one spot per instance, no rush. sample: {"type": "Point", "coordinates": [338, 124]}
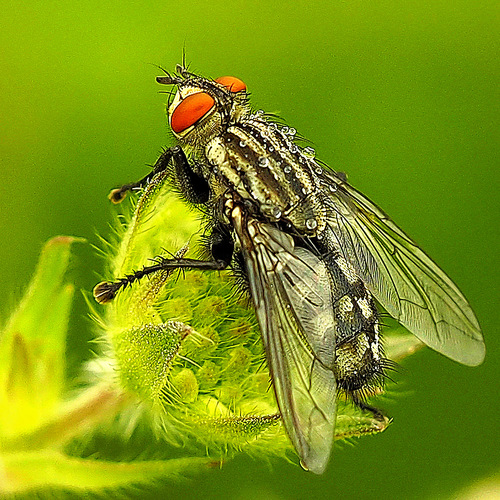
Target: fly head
{"type": "Point", "coordinates": [201, 107]}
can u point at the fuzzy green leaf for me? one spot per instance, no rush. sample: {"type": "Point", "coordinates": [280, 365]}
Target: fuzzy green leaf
{"type": "Point", "coordinates": [33, 343]}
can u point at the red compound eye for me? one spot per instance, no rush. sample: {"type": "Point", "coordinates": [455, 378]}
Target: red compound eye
{"type": "Point", "coordinates": [231, 83]}
{"type": "Point", "coordinates": [190, 110]}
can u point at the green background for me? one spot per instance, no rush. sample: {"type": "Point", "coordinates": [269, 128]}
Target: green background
{"type": "Point", "coordinates": [400, 95]}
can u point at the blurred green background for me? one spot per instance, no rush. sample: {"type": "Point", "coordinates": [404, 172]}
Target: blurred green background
{"type": "Point", "coordinates": [400, 95]}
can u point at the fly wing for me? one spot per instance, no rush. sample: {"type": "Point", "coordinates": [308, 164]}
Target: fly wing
{"type": "Point", "coordinates": [405, 280]}
{"type": "Point", "coordinates": [292, 294]}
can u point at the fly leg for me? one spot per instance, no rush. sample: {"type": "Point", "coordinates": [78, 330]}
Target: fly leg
{"type": "Point", "coordinates": [191, 184]}
{"type": "Point", "coordinates": [106, 291]}
{"type": "Point", "coordinates": [377, 414]}
{"type": "Point", "coordinates": [221, 247]}
{"type": "Point", "coordinates": [117, 195]}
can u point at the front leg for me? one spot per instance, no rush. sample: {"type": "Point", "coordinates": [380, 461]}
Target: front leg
{"type": "Point", "coordinates": [221, 247]}
{"type": "Point", "coordinates": [192, 185]}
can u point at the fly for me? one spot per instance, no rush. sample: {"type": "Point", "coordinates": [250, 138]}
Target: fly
{"type": "Point", "coordinates": [316, 253]}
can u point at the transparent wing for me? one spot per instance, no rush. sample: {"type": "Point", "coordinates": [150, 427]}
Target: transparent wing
{"type": "Point", "coordinates": [293, 300]}
{"type": "Point", "coordinates": [406, 282]}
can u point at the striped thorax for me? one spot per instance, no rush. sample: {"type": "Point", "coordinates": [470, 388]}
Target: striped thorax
{"type": "Point", "coordinates": [249, 154]}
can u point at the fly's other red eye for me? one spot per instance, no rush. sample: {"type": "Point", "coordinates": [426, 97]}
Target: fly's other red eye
{"type": "Point", "coordinates": [190, 110]}
{"type": "Point", "coordinates": [231, 83]}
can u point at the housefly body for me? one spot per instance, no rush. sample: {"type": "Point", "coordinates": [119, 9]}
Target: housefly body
{"type": "Point", "coordinates": [316, 254]}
